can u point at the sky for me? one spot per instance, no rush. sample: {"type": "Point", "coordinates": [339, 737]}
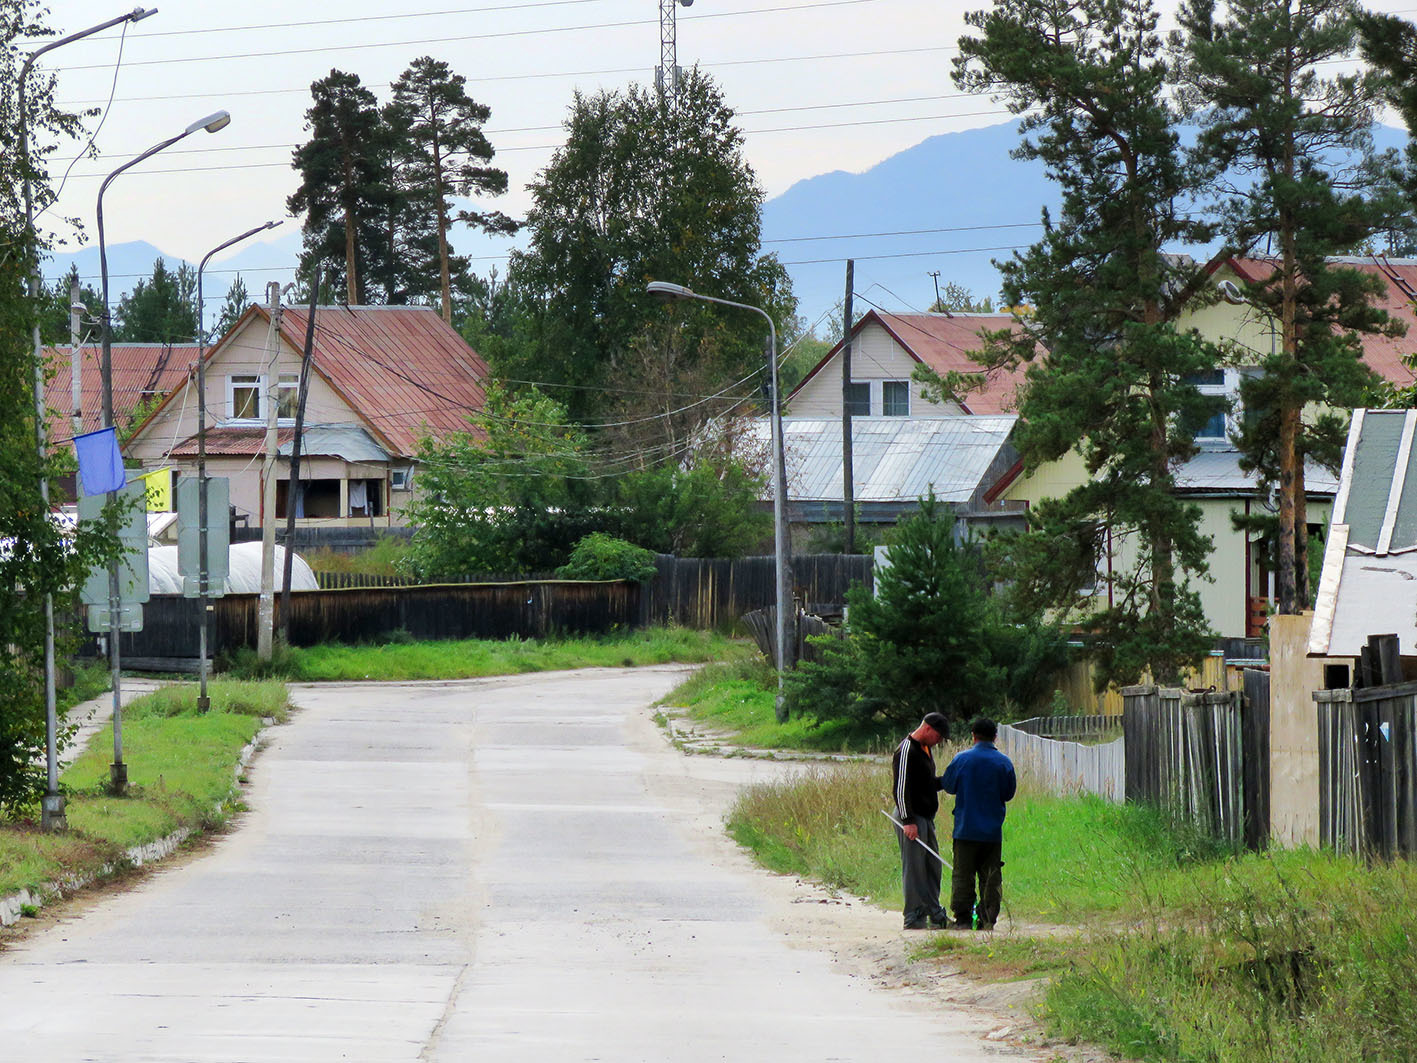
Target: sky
{"type": "Point", "coordinates": [819, 85]}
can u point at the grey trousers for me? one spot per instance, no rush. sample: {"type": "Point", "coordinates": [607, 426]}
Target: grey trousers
{"type": "Point", "coordinates": [920, 876]}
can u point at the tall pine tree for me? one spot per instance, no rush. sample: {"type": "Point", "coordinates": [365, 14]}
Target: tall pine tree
{"type": "Point", "coordinates": [345, 185]}
{"type": "Point", "coordinates": [1287, 144]}
{"type": "Point", "coordinates": [440, 152]}
{"type": "Point", "coordinates": [159, 309]}
{"type": "Point", "coordinates": [1113, 384]}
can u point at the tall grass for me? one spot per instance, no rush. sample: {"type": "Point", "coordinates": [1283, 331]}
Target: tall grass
{"type": "Point", "coordinates": [407, 660]}
{"type": "Point", "coordinates": [1185, 950]}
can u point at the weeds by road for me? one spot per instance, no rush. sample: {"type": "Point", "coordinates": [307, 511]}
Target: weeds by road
{"type": "Point", "coordinates": [408, 660]}
{"type": "Point", "coordinates": [181, 772]}
{"type": "Point", "coordinates": [1165, 946]}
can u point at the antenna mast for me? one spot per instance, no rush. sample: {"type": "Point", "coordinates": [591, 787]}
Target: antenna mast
{"type": "Point", "coordinates": [667, 73]}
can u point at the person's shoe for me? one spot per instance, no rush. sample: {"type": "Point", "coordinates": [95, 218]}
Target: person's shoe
{"type": "Point", "coordinates": [917, 926]}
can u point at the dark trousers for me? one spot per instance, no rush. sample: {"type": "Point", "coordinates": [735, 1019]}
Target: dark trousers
{"type": "Point", "coordinates": [920, 875]}
{"type": "Point", "coordinates": [980, 862]}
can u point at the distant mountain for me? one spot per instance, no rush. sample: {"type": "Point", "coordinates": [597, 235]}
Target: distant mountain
{"type": "Point", "coordinates": [963, 182]}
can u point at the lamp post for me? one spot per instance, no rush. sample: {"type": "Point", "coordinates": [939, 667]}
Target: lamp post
{"type": "Point", "coordinates": [204, 702]}
{"type": "Point", "coordinates": [118, 773]}
{"type": "Point", "coordinates": [52, 804]}
{"type": "Point", "coordinates": [668, 290]}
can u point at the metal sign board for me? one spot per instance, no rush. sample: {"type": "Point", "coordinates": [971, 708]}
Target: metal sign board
{"type": "Point", "coordinates": [130, 618]}
{"type": "Point", "coordinates": [189, 534]}
{"type": "Point", "coordinates": [133, 539]}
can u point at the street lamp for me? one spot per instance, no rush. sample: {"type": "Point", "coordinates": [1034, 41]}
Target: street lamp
{"type": "Point", "coordinates": [668, 290]}
{"type": "Point", "coordinates": [118, 773]}
{"type": "Point", "coordinates": [204, 702]}
{"type": "Point", "coordinates": [52, 804]}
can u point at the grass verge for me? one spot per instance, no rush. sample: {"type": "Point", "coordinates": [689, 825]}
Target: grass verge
{"type": "Point", "coordinates": [1168, 947]}
{"type": "Point", "coordinates": [181, 768]}
{"type": "Point", "coordinates": [736, 695]}
{"type": "Point", "coordinates": [472, 658]}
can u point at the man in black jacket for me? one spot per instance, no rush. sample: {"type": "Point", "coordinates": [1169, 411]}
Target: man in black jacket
{"type": "Point", "coordinates": [917, 800]}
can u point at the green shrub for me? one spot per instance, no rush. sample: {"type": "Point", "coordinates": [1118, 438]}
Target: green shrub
{"type": "Point", "coordinates": [598, 556]}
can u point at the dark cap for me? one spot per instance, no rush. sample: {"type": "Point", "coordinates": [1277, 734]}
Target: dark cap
{"type": "Point", "coordinates": [938, 722]}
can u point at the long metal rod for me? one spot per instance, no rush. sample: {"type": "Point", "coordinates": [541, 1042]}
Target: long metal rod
{"type": "Point", "coordinates": [918, 842]}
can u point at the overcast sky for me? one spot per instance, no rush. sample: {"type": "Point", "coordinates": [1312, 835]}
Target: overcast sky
{"type": "Point", "coordinates": [824, 85]}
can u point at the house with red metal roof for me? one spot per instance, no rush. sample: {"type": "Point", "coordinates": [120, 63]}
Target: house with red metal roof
{"type": "Point", "coordinates": [382, 378]}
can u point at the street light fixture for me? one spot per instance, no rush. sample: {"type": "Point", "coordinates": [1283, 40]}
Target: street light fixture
{"type": "Point", "coordinates": [669, 290]}
{"type": "Point", "coordinates": [52, 804]}
{"type": "Point", "coordinates": [203, 701]}
{"type": "Point", "coordinates": [118, 772]}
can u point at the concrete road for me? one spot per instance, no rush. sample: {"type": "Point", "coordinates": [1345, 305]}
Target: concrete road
{"type": "Point", "coordinates": [506, 869]}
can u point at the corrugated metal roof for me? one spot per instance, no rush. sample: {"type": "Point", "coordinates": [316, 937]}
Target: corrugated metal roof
{"type": "Point", "coordinates": [232, 442]}
{"type": "Point", "coordinates": [347, 441]}
{"type": "Point", "coordinates": [142, 372]}
{"type": "Point", "coordinates": [1219, 470]}
{"type": "Point", "coordinates": [1369, 581]}
{"type": "Point", "coordinates": [893, 459]}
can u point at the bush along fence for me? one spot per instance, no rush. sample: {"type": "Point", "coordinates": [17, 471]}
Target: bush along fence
{"type": "Point", "coordinates": [1069, 766]}
{"type": "Point", "coordinates": [1202, 756]}
{"type": "Point", "coordinates": [1367, 742]}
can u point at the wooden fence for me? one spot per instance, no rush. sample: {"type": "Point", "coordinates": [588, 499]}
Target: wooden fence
{"type": "Point", "coordinates": [1072, 728]}
{"type": "Point", "coordinates": [1187, 753]}
{"type": "Point", "coordinates": [1069, 766]}
{"type": "Point", "coordinates": [713, 593]}
{"type": "Point", "coordinates": [1367, 778]}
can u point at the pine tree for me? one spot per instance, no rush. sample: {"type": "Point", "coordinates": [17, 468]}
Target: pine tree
{"type": "Point", "coordinates": [1288, 145]}
{"type": "Point", "coordinates": [1113, 382]}
{"type": "Point", "coordinates": [232, 307]}
{"type": "Point", "coordinates": [160, 309]}
{"type": "Point", "coordinates": [345, 185]}
{"type": "Point", "coordinates": [441, 152]}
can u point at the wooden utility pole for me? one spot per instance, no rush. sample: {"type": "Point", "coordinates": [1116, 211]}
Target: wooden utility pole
{"type": "Point", "coordinates": [265, 616]}
{"type": "Point", "coordinates": [76, 391]}
{"type": "Point", "coordinates": [293, 491]}
{"type": "Point", "coordinates": [848, 475]}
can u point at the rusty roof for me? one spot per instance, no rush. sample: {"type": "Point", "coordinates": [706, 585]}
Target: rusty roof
{"type": "Point", "coordinates": [1382, 354]}
{"type": "Point", "coordinates": [403, 369]}
{"type": "Point", "coordinates": [232, 442]}
{"type": "Point", "coordinates": [944, 342]}
{"type": "Point", "coordinates": [142, 372]}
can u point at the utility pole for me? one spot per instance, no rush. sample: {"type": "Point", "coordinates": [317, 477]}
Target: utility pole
{"type": "Point", "coordinates": [848, 472]}
{"type": "Point", "coordinates": [265, 617]}
{"type": "Point", "coordinates": [292, 492]}
{"type": "Point", "coordinates": [76, 387]}
{"type": "Point", "coordinates": [934, 275]}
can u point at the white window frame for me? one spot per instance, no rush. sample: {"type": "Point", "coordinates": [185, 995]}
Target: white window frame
{"type": "Point", "coordinates": [902, 383]}
{"type": "Point", "coordinates": [401, 478]}
{"type": "Point", "coordinates": [1228, 388]}
{"type": "Point", "coordinates": [287, 382]}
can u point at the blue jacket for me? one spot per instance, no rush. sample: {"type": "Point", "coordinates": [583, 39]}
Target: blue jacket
{"type": "Point", "coordinates": [981, 779]}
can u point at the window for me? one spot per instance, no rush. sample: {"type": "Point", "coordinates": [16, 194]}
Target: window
{"type": "Point", "coordinates": [246, 396]}
{"type": "Point", "coordinates": [895, 398]}
{"type": "Point", "coordinates": [401, 478]}
{"type": "Point", "coordinates": [243, 398]}
{"type": "Point", "coordinates": [1213, 382]}
{"type": "Point", "coordinates": [858, 399]}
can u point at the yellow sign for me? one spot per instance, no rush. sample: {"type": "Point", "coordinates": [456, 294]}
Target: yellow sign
{"type": "Point", "coordinates": [159, 490]}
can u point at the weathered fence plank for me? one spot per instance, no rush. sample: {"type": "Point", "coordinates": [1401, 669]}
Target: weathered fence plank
{"type": "Point", "coordinates": [1068, 767]}
{"type": "Point", "coordinates": [1367, 781]}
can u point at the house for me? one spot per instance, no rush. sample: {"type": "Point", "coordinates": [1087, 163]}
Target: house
{"type": "Point", "coordinates": [143, 375]}
{"type": "Point", "coordinates": [382, 378]}
{"type": "Point", "coordinates": [895, 461]}
{"type": "Point", "coordinates": [1370, 554]}
{"type": "Point", "coordinates": [886, 348]}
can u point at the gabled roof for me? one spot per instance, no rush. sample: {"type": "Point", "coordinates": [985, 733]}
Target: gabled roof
{"type": "Point", "coordinates": [402, 369]}
{"type": "Point", "coordinates": [1382, 354]}
{"type": "Point", "coordinates": [944, 342]}
{"type": "Point", "coordinates": [894, 459]}
{"type": "Point", "coordinates": [141, 372]}
{"type": "Point", "coordinates": [1370, 556]}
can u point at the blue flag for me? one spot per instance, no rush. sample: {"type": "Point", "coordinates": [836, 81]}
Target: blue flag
{"type": "Point", "coordinates": [100, 462]}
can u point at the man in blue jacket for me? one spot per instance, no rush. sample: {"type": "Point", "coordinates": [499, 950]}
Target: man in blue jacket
{"type": "Point", "coordinates": [982, 780]}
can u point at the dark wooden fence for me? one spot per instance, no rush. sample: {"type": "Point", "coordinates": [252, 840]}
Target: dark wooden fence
{"type": "Point", "coordinates": [1186, 753]}
{"type": "Point", "coordinates": [692, 592]}
{"type": "Point", "coordinates": [1367, 779]}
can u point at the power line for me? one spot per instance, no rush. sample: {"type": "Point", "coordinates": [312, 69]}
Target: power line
{"type": "Point", "coordinates": [500, 35]}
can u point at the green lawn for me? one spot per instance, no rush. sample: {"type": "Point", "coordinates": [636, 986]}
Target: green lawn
{"type": "Point", "coordinates": [473, 658]}
{"type": "Point", "coordinates": [181, 773]}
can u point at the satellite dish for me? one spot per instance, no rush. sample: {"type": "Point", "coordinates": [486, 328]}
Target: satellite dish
{"type": "Point", "coordinates": [1230, 292]}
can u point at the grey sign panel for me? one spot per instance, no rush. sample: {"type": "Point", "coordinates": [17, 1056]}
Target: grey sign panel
{"type": "Point", "coordinates": [130, 618]}
{"type": "Point", "coordinates": [133, 536]}
{"type": "Point", "coordinates": [189, 534]}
